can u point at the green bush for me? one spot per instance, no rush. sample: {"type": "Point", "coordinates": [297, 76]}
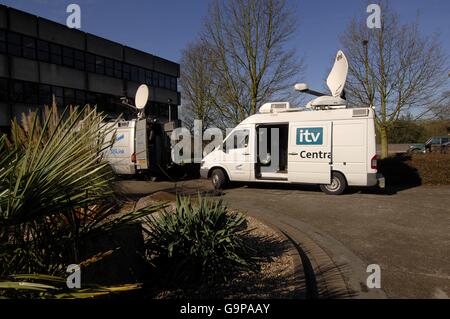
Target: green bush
{"type": "Point", "coordinates": [199, 242]}
{"type": "Point", "coordinates": [55, 192]}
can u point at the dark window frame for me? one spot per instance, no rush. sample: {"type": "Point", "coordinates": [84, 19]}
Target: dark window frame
{"type": "Point", "coordinates": [43, 50]}
{"type": "Point", "coordinates": [55, 54]}
{"type": "Point", "coordinates": [89, 59]}
{"type": "Point", "coordinates": [29, 47]}
{"type": "Point", "coordinates": [68, 57]}
{"type": "Point", "coordinates": [109, 67]}
{"type": "Point", "coordinates": [14, 48]}
{"type": "Point", "coordinates": [99, 64]}
{"type": "Point", "coordinates": [118, 69]}
{"type": "Point", "coordinates": [79, 60]}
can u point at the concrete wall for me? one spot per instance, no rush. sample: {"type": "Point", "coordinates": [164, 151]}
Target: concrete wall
{"type": "Point", "coordinates": [24, 69]}
{"type": "Point", "coordinates": [103, 84]}
{"type": "Point", "coordinates": [103, 47]}
{"type": "Point", "coordinates": [23, 22]}
{"type": "Point", "coordinates": [137, 57]}
{"type": "Point", "coordinates": [58, 33]}
{"type": "Point", "coordinates": [62, 76]}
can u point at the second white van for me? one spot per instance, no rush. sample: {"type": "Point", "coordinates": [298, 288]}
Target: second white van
{"type": "Point", "coordinates": [325, 143]}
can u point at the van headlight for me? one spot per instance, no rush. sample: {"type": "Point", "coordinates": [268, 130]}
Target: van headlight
{"type": "Point", "coordinates": [202, 163]}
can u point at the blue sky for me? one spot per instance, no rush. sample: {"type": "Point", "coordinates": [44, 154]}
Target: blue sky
{"type": "Point", "coordinates": [165, 27]}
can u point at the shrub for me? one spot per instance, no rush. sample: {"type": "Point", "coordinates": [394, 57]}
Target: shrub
{"type": "Point", "coordinates": [416, 169]}
{"type": "Point", "coordinates": [197, 242]}
{"type": "Point", "coordinates": [55, 191]}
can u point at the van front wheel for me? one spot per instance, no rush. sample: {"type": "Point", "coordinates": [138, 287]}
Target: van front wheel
{"type": "Point", "coordinates": [337, 186]}
{"type": "Point", "coordinates": [218, 178]}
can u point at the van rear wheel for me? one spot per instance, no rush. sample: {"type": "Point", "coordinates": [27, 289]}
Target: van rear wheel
{"type": "Point", "coordinates": [337, 186]}
{"type": "Point", "coordinates": [218, 178]}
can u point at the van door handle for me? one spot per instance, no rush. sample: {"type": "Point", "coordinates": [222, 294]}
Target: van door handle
{"type": "Point", "coordinates": [293, 153]}
{"type": "Point", "coordinates": [245, 153]}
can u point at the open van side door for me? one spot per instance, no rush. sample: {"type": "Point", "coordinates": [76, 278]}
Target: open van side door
{"type": "Point", "coordinates": [309, 152]}
{"type": "Point", "coordinates": [141, 144]}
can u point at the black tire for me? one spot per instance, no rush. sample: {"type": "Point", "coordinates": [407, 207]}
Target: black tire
{"type": "Point", "coordinates": [337, 186]}
{"type": "Point", "coordinates": [219, 179]}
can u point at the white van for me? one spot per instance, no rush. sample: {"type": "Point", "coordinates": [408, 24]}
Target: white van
{"type": "Point", "coordinates": [324, 143]}
{"type": "Point", "coordinates": [128, 154]}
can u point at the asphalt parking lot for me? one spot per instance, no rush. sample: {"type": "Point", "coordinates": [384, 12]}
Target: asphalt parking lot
{"type": "Point", "coordinates": [406, 232]}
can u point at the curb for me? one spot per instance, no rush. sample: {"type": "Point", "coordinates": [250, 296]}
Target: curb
{"type": "Point", "coordinates": [318, 271]}
{"type": "Point", "coordinates": [324, 277]}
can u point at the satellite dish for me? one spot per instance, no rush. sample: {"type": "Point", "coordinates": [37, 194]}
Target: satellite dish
{"type": "Point", "coordinates": [141, 98]}
{"type": "Point", "coordinates": [338, 75]}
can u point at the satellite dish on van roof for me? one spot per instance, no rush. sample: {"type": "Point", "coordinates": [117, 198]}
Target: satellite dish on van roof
{"type": "Point", "coordinates": [141, 98]}
{"type": "Point", "coordinates": [338, 75]}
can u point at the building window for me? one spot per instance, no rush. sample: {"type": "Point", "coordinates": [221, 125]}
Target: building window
{"type": "Point", "coordinates": [30, 92]}
{"type": "Point", "coordinates": [2, 41]}
{"type": "Point", "coordinates": [148, 77]}
{"type": "Point", "coordinates": [29, 47]}
{"type": "Point", "coordinates": [162, 80]}
{"type": "Point", "coordinates": [59, 97]}
{"type": "Point", "coordinates": [43, 51]}
{"type": "Point", "coordinates": [91, 99]}
{"type": "Point", "coordinates": [155, 79]}
{"type": "Point", "coordinates": [68, 59]}
{"type": "Point", "coordinates": [168, 78]}
{"type": "Point", "coordinates": [142, 76]}
{"type": "Point", "coordinates": [55, 54]}
{"type": "Point", "coordinates": [126, 72]}
{"type": "Point", "coordinates": [79, 60]}
{"type": "Point", "coordinates": [69, 97]}
{"type": "Point", "coordinates": [3, 90]}
{"type": "Point", "coordinates": [109, 67]}
{"type": "Point", "coordinates": [173, 83]}
{"type": "Point", "coordinates": [134, 74]}
{"type": "Point", "coordinates": [90, 62]}
{"type": "Point", "coordinates": [14, 44]}
{"type": "Point", "coordinates": [99, 65]}
{"type": "Point", "coordinates": [16, 91]}
{"type": "Point", "coordinates": [118, 69]}
{"type": "Point", "coordinates": [45, 95]}
{"type": "Point", "coordinates": [80, 97]}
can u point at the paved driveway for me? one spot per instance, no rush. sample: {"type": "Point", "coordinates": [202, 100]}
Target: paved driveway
{"type": "Point", "coordinates": [406, 233]}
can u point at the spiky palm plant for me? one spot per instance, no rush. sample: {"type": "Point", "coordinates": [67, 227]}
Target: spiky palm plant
{"type": "Point", "coordinates": [199, 242]}
{"type": "Point", "coordinates": [55, 190]}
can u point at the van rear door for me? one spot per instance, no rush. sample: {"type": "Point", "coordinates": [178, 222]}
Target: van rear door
{"type": "Point", "coordinates": [119, 156]}
{"type": "Point", "coordinates": [141, 144]}
{"type": "Point", "coordinates": [309, 152]}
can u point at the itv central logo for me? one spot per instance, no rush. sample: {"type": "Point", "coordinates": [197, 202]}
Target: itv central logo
{"type": "Point", "coordinates": [310, 136]}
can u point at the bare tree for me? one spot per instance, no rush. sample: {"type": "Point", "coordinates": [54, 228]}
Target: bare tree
{"type": "Point", "coordinates": [394, 68]}
{"type": "Point", "coordinates": [250, 58]}
{"type": "Point", "coordinates": [197, 85]}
